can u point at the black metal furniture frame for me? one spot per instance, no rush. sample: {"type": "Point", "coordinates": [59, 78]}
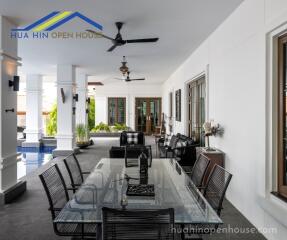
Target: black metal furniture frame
{"type": "Point", "coordinates": [138, 224]}
{"type": "Point", "coordinates": [75, 171]}
{"type": "Point", "coordinates": [57, 194]}
{"type": "Point", "coordinates": [199, 170]}
{"type": "Point", "coordinates": [216, 186]}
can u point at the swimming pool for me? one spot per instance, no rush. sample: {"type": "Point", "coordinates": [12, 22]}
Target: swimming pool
{"type": "Point", "coordinates": [32, 158]}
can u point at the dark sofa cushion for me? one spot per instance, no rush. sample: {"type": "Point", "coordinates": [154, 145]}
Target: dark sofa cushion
{"type": "Point", "coordinates": [117, 152]}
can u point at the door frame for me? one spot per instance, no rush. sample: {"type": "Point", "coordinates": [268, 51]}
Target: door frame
{"type": "Point", "coordinates": [205, 74]}
{"type": "Point", "coordinates": [148, 123]}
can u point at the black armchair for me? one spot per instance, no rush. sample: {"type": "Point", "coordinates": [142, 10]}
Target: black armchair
{"type": "Point", "coordinates": [124, 138]}
{"type": "Point", "coordinates": [180, 147]}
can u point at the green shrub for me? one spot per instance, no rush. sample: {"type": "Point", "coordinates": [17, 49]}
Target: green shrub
{"type": "Point", "coordinates": [120, 127]}
{"type": "Point", "coordinates": [101, 127]}
{"type": "Point", "coordinates": [91, 115]}
{"type": "Point", "coordinates": [51, 127]}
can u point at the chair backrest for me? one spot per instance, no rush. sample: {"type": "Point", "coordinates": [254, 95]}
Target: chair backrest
{"type": "Point", "coordinates": [138, 224]}
{"type": "Point", "coordinates": [133, 152]}
{"type": "Point", "coordinates": [74, 170]}
{"type": "Point", "coordinates": [55, 188]}
{"type": "Point", "coordinates": [216, 187]}
{"type": "Point", "coordinates": [199, 170]}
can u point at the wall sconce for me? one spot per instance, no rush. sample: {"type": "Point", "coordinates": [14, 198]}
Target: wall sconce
{"type": "Point", "coordinates": [15, 83]}
{"type": "Point", "coordinates": [87, 110]}
{"type": "Point", "coordinates": [9, 110]}
{"type": "Point", "coordinates": [88, 100]}
{"type": "Point", "coordinates": [74, 110]}
{"type": "Point", "coordinates": [76, 97]}
{"type": "Point", "coordinates": [63, 95]}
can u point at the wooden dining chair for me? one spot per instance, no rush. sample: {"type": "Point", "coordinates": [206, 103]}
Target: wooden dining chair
{"type": "Point", "coordinates": [57, 194]}
{"type": "Point", "coordinates": [138, 224]}
{"type": "Point", "coordinates": [75, 171]}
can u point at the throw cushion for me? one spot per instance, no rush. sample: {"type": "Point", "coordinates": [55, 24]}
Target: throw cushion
{"type": "Point", "coordinates": [167, 140]}
{"type": "Point", "coordinates": [179, 146]}
{"type": "Point", "coordinates": [132, 138]}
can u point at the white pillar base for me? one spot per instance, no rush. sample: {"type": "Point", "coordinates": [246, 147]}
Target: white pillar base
{"type": "Point", "coordinates": [34, 139]}
{"type": "Point", "coordinates": [8, 167]}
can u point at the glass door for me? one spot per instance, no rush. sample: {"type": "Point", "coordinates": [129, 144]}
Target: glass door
{"type": "Point", "coordinates": [148, 115]}
{"type": "Point", "coordinates": [196, 110]}
{"type": "Point", "coordinates": [141, 115]}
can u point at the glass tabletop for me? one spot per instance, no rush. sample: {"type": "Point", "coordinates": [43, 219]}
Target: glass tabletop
{"type": "Point", "coordinates": [107, 184]}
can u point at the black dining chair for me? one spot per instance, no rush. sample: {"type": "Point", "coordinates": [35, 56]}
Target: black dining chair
{"type": "Point", "coordinates": [214, 193]}
{"type": "Point", "coordinates": [75, 171]}
{"type": "Point", "coordinates": [216, 186]}
{"type": "Point", "coordinates": [199, 170]}
{"type": "Point", "coordinates": [138, 224]}
{"type": "Point", "coordinates": [57, 194]}
{"type": "Point", "coordinates": [133, 152]}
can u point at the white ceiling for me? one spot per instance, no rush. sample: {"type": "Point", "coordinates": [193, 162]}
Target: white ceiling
{"type": "Point", "coordinates": [181, 26]}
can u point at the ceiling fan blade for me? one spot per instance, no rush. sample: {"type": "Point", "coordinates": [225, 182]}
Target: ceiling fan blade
{"type": "Point", "coordinates": [137, 79]}
{"type": "Point", "coordinates": [144, 40]}
{"type": "Point", "coordinates": [122, 79]}
{"type": "Point", "coordinates": [100, 34]}
{"type": "Point", "coordinates": [112, 48]}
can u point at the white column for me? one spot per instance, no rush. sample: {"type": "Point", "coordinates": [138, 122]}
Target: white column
{"type": "Point", "coordinates": [66, 113]}
{"type": "Point", "coordinates": [101, 113]}
{"type": "Point", "coordinates": [8, 118]}
{"type": "Point", "coordinates": [34, 129]}
{"type": "Point", "coordinates": [81, 105]}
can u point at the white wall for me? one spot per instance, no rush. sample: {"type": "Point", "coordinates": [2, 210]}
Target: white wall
{"type": "Point", "coordinates": [234, 59]}
{"type": "Point", "coordinates": [8, 100]}
{"type": "Point", "coordinates": [130, 91]}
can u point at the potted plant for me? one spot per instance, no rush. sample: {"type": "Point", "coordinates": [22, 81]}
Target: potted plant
{"type": "Point", "coordinates": [82, 139]}
{"type": "Point", "coordinates": [211, 129]}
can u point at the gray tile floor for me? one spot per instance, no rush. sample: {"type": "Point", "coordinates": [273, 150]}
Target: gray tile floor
{"type": "Point", "coordinates": [28, 217]}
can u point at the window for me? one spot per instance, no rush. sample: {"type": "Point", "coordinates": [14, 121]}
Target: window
{"type": "Point", "coordinates": [117, 110]}
{"type": "Point", "coordinates": [282, 118]}
{"type": "Point", "coordinates": [196, 110]}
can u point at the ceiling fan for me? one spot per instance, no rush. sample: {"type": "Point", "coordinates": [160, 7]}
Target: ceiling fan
{"type": "Point", "coordinates": [119, 41]}
{"type": "Point", "coordinates": [128, 79]}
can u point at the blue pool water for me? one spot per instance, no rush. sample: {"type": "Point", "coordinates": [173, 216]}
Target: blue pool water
{"type": "Point", "coordinates": [32, 158]}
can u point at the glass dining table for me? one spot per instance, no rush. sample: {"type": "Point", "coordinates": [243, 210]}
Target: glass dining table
{"type": "Point", "coordinates": [107, 184]}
